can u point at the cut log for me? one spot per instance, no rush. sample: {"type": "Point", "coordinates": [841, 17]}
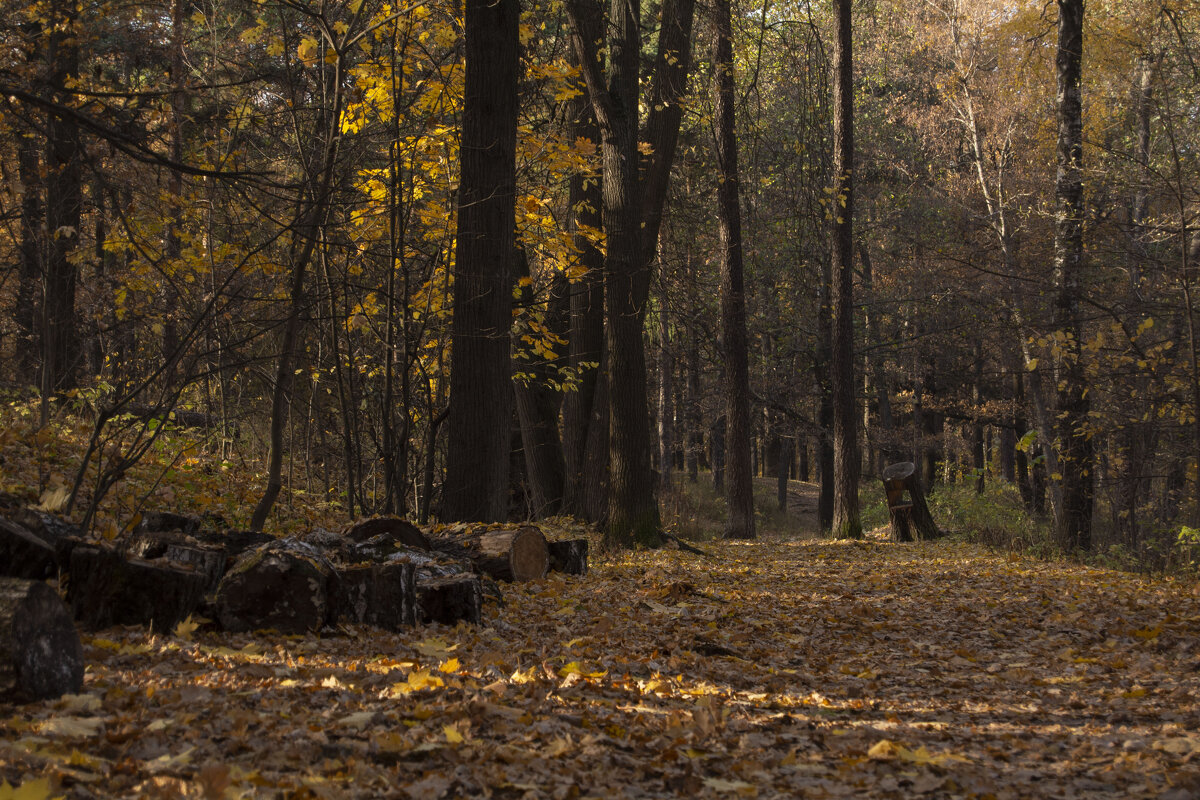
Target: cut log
{"type": "Point", "coordinates": [165, 521]}
{"type": "Point", "coordinates": [107, 589]}
{"type": "Point", "coordinates": [906, 503]}
{"type": "Point", "coordinates": [202, 559]}
{"type": "Point", "coordinates": [570, 556]}
{"type": "Point", "coordinates": [381, 548]}
{"type": "Point", "coordinates": [23, 555]}
{"type": "Point", "coordinates": [282, 585]}
{"type": "Point", "coordinates": [40, 653]}
{"type": "Point", "coordinates": [398, 529]}
{"type": "Point", "coordinates": [450, 599]}
{"type": "Point", "coordinates": [383, 595]}
{"type": "Point", "coordinates": [514, 554]}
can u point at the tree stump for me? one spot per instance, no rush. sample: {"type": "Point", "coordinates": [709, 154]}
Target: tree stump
{"type": "Point", "coordinates": [23, 555]}
{"type": "Point", "coordinates": [383, 595]}
{"type": "Point", "coordinates": [907, 507]}
{"type": "Point", "coordinates": [570, 556]}
{"type": "Point", "coordinates": [108, 589]}
{"type": "Point", "coordinates": [40, 653]}
{"type": "Point", "coordinates": [282, 585]}
{"type": "Point", "coordinates": [398, 529]}
{"type": "Point", "coordinates": [518, 554]}
{"type": "Point", "coordinates": [450, 599]}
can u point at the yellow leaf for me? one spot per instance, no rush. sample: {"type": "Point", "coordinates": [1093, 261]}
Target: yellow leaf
{"type": "Point", "coordinates": [72, 726]}
{"type": "Point", "coordinates": [30, 790]}
{"type": "Point", "coordinates": [449, 666]}
{"type": "Point", "coordinates": [434, 647]}
{"type": "Point", "coordinates": [185, 629]}
{"type": "Point", "coordinates": [359, 720]}
{"type": "Point", "coordinates": [307, 51]}
{"type": "Point", "coordinates": [452, 734]}
{"type": "Point", "coordinates": [740, 787]}
{"type": "Point", "coordinates": [884, 748]}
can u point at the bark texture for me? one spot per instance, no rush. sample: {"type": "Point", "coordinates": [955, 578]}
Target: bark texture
{"type": "Point", "coordinates": [1076, 456]}
{"type": "Point", "coordinates": [847, 462]}
{"type": "Point", "coordinates": [739, 478]}
{"type": "Point", "coordinates": [40, 653]}
{"type": "Point", "coordinates": [477, 455]}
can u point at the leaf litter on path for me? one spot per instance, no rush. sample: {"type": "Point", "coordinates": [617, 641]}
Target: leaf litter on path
{"type": "Point", "coordinates": [774, 669]}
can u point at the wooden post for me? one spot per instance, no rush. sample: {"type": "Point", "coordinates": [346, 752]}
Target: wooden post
{"type": "Point", "coordinates": [906, 503]}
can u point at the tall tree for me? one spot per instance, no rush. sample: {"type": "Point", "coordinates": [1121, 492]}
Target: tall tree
{"type": "Point", "coordinates": [633, 194]}
{"type": "Point", "coordinates": [1076, 453]}
{"type": "Point", "coordinates": [847, 461]}
{"type": "Point", "coordinates": [739, 482]}
{"type": "Point", "coordinates": [64, 205]}
{"type": "Point", "coordinates": [477, 455]}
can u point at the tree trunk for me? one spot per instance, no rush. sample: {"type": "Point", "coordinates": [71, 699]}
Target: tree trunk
{"type": "Point", "coordinates": [29, 269]}
{"type": "Point", "coordinates": [538, 406]}
{"type": "Point", "coordinates": [478, 447]}
{"type": "Point", "coordinates": [1074, 528]}
{"type": "Point", "coordinates": [847, 460]}
{"type": "Point", "coordinates": [666, 397]}
{"type": "Point", "coordinates": [586, 356]}
{"type": "Point", "coordinates": [739, 480]}
{"type": "Point", "coordinates": [64, 207]}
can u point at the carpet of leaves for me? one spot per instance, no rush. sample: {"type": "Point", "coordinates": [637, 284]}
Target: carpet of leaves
{"type": "Point", "coordinates": [815, 669]}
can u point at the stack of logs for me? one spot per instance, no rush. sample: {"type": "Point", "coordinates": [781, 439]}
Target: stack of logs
{"type": "Point", "coordinates": [383, 572]}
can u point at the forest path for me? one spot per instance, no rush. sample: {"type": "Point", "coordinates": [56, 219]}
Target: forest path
{"type": "Point", "coordinates": [770, 669]}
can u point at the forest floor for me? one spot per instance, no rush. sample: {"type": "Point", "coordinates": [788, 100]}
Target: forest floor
{"type": "Point", "coordinates": [776, 668]}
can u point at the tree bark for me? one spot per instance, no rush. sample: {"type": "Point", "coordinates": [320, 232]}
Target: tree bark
{"type": "Point", "coordinates": [739, 480]}
{"type": "Point", "coordinates": [586, 353]}
{"type": "Point", "coordinates": [847, 462]}
{"type": "Point", "coordinates": [1076, 457]}
{"type": "Point", "coordinates": [666, 398]}
{"type": "Point", "coordinates": [478, 445]}
{"type": "Point", "coordinates": [538, 406]}
{"type": "Point", "coordinates": [41, 656]}
{"type": "Point", "coordinates": [64, 207]}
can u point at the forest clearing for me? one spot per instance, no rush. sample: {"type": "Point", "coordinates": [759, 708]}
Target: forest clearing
{"type": "Point", "coordinates": [773, 668]}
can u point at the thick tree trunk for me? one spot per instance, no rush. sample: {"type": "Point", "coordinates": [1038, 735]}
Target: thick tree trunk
{"type": "Point", "coordinates": [739, 480]}
{"type": "Point", "coordinates": [1074, 528]}
{"type": "Point", "coordinates": [40, 653]}
{"type": "Point", "coordinates": [478, 447]}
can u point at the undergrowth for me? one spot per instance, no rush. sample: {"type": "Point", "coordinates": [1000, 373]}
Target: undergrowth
{"type": "Point", "coordinates": [181, 470]}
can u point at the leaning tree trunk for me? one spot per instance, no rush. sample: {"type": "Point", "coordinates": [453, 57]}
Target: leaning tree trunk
{"type": "Point", "coordinates": [739, 480]}
{"type": "Point", "coordinates": [1074, 530]}
{"type": "Point", "coordinates": [477, 453]}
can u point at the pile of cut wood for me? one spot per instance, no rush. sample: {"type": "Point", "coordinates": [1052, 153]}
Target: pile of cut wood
{"type": "Point", "coordinates": [382, 571]}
